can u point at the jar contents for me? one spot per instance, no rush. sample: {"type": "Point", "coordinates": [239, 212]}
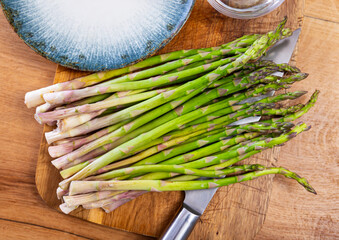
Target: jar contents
{"type": "Point", "coordinates": [242, 3]}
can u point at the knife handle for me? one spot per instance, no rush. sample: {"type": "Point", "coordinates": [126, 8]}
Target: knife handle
{"type": "Point", "coordinates": [182, 225]}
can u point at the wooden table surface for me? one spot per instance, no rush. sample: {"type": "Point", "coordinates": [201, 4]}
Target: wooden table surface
{"type": "Point", "coordinates": [292, 213]}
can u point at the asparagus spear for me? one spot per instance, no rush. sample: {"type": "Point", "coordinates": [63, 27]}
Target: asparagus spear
{"type": "Point", "coordinates": [160, 185]}
{"type": "Point", "coordinates": [153, 147]}
{"type": "Point", "coordinates": [102, 122]}
{"type": "Point", "coordinates": [68, 123]}
{"type": "Point", "coordinates": [126, 148]}
{"type": "Point", "coordinates": [299, 113]}
{"type": "Point", "coordinates": [113, 137]}
{"type": "Point", "coordinates": [46, 106]}
{"type": "Point", "coordinates": [236, 159]}
{"type": "Point", "coordinates": [86, 128]}
{"type": "Point", "coordinates": [269, 69]}
{"type": "Point", "coordinates": [87, 186]}
{"type": "Point", "coordinates": [232, 152]}
{"type": "Point", "coordinates": [161, 156]}
{"type": "Point", "coordinates": [111, 201]}
{"type": "Point", "coordinates": [34, 98]}
{"type": "Point", "coordinates": [241, 110]}
{"type": "Point", "coordinates": [56, 135]}
{"type": "Point", "coordinates": [101, 198]}
{"type": "Point", "coordinates": [112, 86]}
{"type": "Point", "coordinates": [143, 158]}
{"type": "Point", "coordinates": [220, 91]}
{"type": "Point", "coordinates": [102, 105]}
{"type": "Point", "coordinates": [171, 169]}
{"type": "Point", "coordinates": [194, 143]}
{"type": "Point", "coordinates": [56, 151]}
{"type": "Point", "coordinates": [61, 162]}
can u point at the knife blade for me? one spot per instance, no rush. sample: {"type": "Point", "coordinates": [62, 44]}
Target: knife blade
{"type": "Point", "coordinates": [196, 201]}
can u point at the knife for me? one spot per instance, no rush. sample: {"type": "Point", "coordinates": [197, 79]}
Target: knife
{"type": "Point", "coordinates": [196, 201]}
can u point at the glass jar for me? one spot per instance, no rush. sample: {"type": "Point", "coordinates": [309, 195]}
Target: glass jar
{"type": "Point", "coordinates": [245, 9]}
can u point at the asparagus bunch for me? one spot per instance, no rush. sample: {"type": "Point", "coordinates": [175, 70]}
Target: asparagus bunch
{"type": "Point", "coordinates": [163, 123]}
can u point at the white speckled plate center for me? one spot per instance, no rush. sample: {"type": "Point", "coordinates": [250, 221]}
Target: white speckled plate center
{"type": "Point", "coordinates": [96, 35]}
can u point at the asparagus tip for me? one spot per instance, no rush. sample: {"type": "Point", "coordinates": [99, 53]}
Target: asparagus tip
{"type": "Point", "coordinates": [303, 182]}
{"type": "Point", "coordinates": [315, 95]}
{"type": "Point", "coordinates": [300, 93]}
{"type": "Point", "coordinates": [308, 128]}
{"type": "Point", "coordinates": [305, 75]}
{"type": "Point", "coordinates": [292, 135]}
{"type": "Point", "coordinates": [286, 125]}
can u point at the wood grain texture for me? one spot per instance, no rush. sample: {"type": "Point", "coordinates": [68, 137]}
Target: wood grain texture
{"type": "Point", "coordinates": [323, 9]}
{"type": "Point", "coordinates": [233, 208]}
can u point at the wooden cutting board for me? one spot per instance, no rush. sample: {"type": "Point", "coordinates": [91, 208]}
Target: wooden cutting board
{"type": "Point", "coordinates": [235, 212]}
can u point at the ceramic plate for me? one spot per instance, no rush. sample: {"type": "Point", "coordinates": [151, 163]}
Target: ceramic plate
{"type": "Point", "coordinates": [96, 35]}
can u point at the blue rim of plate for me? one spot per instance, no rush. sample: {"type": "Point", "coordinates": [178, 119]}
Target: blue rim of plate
{"type": "Point", "coordinates": [14, 18]}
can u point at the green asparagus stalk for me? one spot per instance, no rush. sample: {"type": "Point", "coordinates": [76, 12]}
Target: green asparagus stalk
{"type": "Point", "coordinates": [96, 98]}
{"type": "Point", "coordinates": [249, 68]}
{"type": "Point", "coordinates": [61, 162]}
{"type": "Point", "coordinates": [233, 152]}
{"type": "Point", "coordinates": [120, 151]}
{"type": "Point", "coordinates": [214, 167]}
{"type": "Point", "coordinates": [165, 154]}
{"type": "Point", "coordinates": [236, 111]}
{"type": "Point", "coordinates": [99, 123]}
{"type": "Point", "coordinates": [35, 98]}
{"type": "Point", "coordinates": [153, 147]}
{"type": "Point", "coordinates": [299, 113]}
{"type": "Point", "coordinates": [215, 147]}
{"type": "Point", "coordinates": [246, 155]}
{"type": "Point", "coordinates": [160, 185]}
{"type": "Point", "coordinates": [171, 169]}
{"type": "Point", "coordinates": [161, 156]}
{"type": "Point", "coordinates": [113, 137]}
{"type": "Point", "coordinates": [66, 148]}
{"type": "Point", "coordinates": [110, 203]}
{"type": "Point", "coordinates": [63, 97]}
{"type": "Point", "coordinates": [159, 141]}
{"type": "Point", "coordinates": [178, 136]}
{"type": "Point", "coordinates": [160, 146]}
{"type": "Point", "coordinates": [225, 163]}
{"type": "Point", "coordinates": [199, 142]}
{"type": "Point", "coordinates": [157, 112]}
{"type": "Point", "coordinates": [65, 160]}
{"type": "Point", "coordinates": [109, 196]}
{"type": "Point", "coordinates": [102, 105]}
{"type": "Point", "coordinates": [270, 68]}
